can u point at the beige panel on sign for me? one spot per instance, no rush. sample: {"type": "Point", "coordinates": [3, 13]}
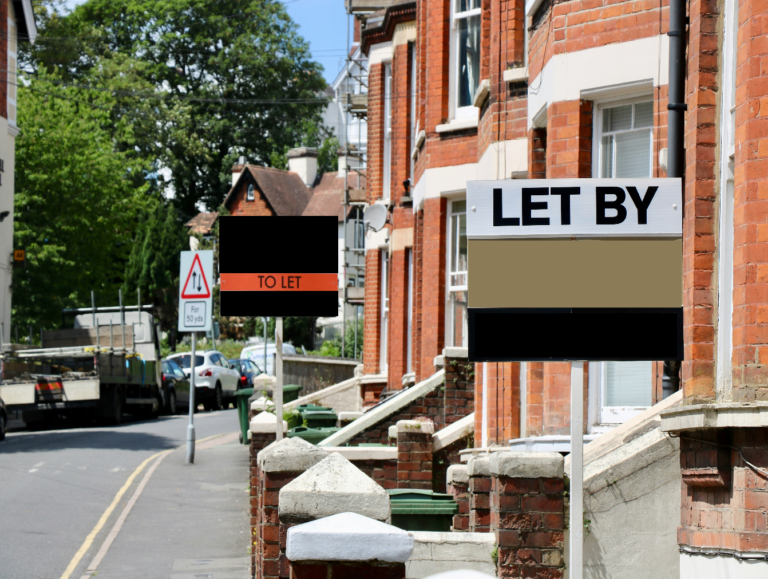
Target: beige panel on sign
{"type": "Point", "coordinates": [575, 273]}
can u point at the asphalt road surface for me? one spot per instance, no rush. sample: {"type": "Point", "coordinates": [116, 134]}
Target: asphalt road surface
{"type": "Point", "coordinates": [56, 488]}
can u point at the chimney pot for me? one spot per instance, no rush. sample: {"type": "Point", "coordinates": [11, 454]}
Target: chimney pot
{"type": "Point", "coordinates": [303, 161]}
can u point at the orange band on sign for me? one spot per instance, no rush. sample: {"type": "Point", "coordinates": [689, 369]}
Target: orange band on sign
{"type": "Point", "coordinates": [280, 282]}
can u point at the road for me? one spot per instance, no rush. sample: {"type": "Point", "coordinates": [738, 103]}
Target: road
{"type": "Point", "coordinates": [56, 485]}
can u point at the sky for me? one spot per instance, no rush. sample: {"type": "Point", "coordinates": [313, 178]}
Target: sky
{"type": "Point", "coordinates": [322, 23]}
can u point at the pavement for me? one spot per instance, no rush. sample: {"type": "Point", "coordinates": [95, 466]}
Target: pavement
{"type": "Point", "coordinates": [120, 502]}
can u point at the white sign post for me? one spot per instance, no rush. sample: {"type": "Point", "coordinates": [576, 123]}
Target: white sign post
{"type": "Point", "coordinates": [195, 315]}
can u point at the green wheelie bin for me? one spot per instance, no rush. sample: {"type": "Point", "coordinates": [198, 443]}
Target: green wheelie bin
{"type": "Point", "coordinates": [312, 435]}
{"type": "Point", "coordinates": [422, 510]}
{"type": "Point", "coordinates": [241, 398]}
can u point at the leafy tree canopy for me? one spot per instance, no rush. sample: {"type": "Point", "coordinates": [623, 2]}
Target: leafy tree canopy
{"type": "Point", "coordinates": [223, 79]}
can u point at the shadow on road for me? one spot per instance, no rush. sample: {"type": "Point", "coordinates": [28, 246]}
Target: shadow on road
{"type": "Point", "coordinates": [117, 437]}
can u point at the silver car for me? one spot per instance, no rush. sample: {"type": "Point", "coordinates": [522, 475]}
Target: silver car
{"type": "Point", "coordinates": [215, 380]}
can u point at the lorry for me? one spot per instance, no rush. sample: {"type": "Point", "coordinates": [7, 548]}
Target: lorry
{"type": "Point", "coordinates": [107, 364]}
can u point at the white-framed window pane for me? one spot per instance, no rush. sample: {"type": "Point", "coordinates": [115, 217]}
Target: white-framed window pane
{"type": "Point", "coordinates": [633, 154]}
{"type": "Point", "coordinates": [644, 115]}
{"type": "Point", "coordinates": [464, 5]}
{"type": "Point", "coordinates": [606, 163]}
{"type": "Point", "coordinates": [468, 38]}
{"type": "Point", "coordinates": [457, 275]}
{"type": "Point", "coordinates": [617, 119]}
{"type": "Point", "coordinates": [628, 384]}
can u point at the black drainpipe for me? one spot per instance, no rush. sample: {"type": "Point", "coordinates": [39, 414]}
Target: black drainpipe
{"type": "Point", "coordinates": [676, 135]}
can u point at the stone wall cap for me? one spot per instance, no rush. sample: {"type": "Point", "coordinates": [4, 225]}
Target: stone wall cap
{"type": "Point", "coordinates": [348, 537]}
{"type": "Point", "coordinates": [290, 455]}
{"type": "Point", "coordinates": [527, 464]}
{"type": "Point", "coordinates": [333, 486]}
{"type": "Point", "coordinates": [266, 422]}
{"type": "Point", "coordinates": [457, 473]}
{"type": "Point", "coordinates": [454, 353]}
{"type": "Point", "coordinates": [299, 152]}
{"type": "Point", "coordinates": [416, 426]}
{"type": "Point", "coordinates": [460, 574]}
{"type": "Point", "coordinates": [261, 404]}
{"type": "Point", "coordinates": [479, 466]}
{"type": "Point", "coordinates": [349, 415]}
{"type": "Point", "coordinates": [392, 431]}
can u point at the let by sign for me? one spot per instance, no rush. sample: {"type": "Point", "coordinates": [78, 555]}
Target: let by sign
{"type": "Point", "coordinates": [575, 269]}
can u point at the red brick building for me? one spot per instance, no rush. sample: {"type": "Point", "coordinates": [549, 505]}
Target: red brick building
{"type": "Point", "coordinates": [465, 90]}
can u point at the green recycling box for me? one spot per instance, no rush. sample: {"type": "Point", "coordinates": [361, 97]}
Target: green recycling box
{"type": "Point", "coordinates": [241, 399]}
{"type": "Point", "coordinates": [312, 435]}
{"type": "Point", "coordinates": [317, 416]}
{"type": "Point", "coordinates": [422, 510]}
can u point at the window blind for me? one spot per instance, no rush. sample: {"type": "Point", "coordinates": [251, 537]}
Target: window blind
{"type": "Point", "coordinates": [628, 383]}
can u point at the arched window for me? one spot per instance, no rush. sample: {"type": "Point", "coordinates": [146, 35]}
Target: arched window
{"type": "Point", "coordinates": [250, 196]}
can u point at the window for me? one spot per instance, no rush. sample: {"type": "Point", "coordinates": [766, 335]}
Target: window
{"type": "Point", "coordinates": [384, 309]}
{"type": "Point", "coordinates": [412, 49]}
{"type": "Point", "coordinates": [465, 46]}
{"type": "Point", "coordinates": [359, 235]}
{"type": "Point", "coordinates": [626, 389]}
{"type": "Point", "coordinates": [409, 311]}
{"type": "Point", "coordinates": [250, 196]}
{"type": "Point", "coordinates": [457, 274]}
{"type": "Point", "coordinates": [387, 130]}
{"type": "Point", "coordinates": [625, 136]}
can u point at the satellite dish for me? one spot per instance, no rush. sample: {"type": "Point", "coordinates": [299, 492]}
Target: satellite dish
{"type": "Point", "coordinates": [375, 216]}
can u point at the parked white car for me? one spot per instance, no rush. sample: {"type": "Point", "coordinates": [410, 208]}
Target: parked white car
{"type": "Point", "coordinates": [215, 379]}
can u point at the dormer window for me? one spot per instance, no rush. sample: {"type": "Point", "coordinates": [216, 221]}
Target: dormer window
{"type": "Point", "coordinates": [249, 196]}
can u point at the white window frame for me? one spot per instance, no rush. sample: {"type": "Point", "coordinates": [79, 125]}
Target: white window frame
{"type": "Point", "coordinates": [250, 194]}
{"type": "Point", "coordinates": [452, 245]}
{"type": "Point", "coordinates": [601, 417]}
{"type": "Point", "coordinates": [412, 167]}
{"type": "Point", "coordinates": [384, 318]}
{"type": "Point", "coordinates": [387, 159]}
{"type": "Point", "coordinates": [455, 111]}
{"type": "Point", "coordinates": [597, 127]}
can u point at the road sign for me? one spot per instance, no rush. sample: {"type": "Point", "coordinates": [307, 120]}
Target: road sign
{"type": "Point", "coordinates": [575, 269]}
{"type": "Point", "coordinates": [195, 298]}
{"type": "Point", "coordinates": [19, 256]}
{"type": "Point", "coordinates": [279, 266]}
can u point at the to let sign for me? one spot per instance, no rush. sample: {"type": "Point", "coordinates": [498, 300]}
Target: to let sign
{"type": "Point", "coordinates": [575, 269]}
{"type": "Point", "coordinates": [279, 266]}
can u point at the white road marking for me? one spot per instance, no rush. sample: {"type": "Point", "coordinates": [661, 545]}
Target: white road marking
{"type": "Point", "coordinates": [39, 464]}
{"type": "Point", "coordinates": [116, 469]}
{"type": "Point", "coordinates": [33, 470]}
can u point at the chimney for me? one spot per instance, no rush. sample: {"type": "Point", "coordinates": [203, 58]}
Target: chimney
{"type": "Point", "coordinates": [237, 169]}
{"type": "Point", "coordinates": [303, 161]}
{"type": "Point", "coordinates": [342, 162]}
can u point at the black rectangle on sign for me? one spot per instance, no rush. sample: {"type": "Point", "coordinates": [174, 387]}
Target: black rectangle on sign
{"type": "Point", "coordinates": [563, 335]}
{"type": "Point", "coordinates": [279, 244]}
{"type": "Point", "coordinates": [273, 304]}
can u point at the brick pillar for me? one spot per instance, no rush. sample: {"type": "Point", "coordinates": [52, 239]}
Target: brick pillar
{"type": "Point", "coordinates": [414, 454]}
{"type": "Point", "coordinates": [263, 433]}
{"type": "Point", "coordinates": [433, 280]}
{"type": "Point", "coordinates": [348, 545]}
{"type": "Point", "coordinates": [372, 311]}
{"type": "Point", "coordinates": [277, 466]}
{"type": "Point", "coordinates": [528, 514]}
{"type": "Point", "coordinates": [457, 481]}
{"type": "Point", "coordinates": [478, 469]}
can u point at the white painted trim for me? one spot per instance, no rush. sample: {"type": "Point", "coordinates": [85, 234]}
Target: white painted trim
{"type": "Point", "coordinates": [484, 439]}
{"type": "Point", "coordinates": [725, 415]}
{"type": "Point", "coordinates": [566, 75]}
{"type": "Point", "coordinates": [454, 432]}
{"type": "Point", "coordinates": [515, 74]}
{"type": "Point", "coordinates": [384, 410]}
{"type": "Point", "coordinates": [405, 32]}
{"type": "Point", "coordinates": [539, 120]}
{"type": "Point", "coordinates": [624, 90]}
{"type": "Point", "coordinates": [482, 92]}
{"type": "Point", "coordinates": [523, 399]}
{"type": "Point", "coordinates": [703, 566]}
{"type": "Point", "coordinates": [380, 53]}
{"type": "Point", "coordinates": [375, 240]}
{"type": "Point", "coordinates": [29, 18]}
{"type": "Point", "coordinates": [13, 130]}
{"type": "Point", "coordinates": [461, 124]}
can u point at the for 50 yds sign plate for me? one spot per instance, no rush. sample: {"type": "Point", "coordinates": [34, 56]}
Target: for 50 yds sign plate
{"type": "Point", "coordinates": [279, 266]}
{"type": "Point", "coordinates": [575, 269]}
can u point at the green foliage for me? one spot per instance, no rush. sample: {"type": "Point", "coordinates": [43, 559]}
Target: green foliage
{"type": "Point", "coordinates": [332, 348]}
{"type": "Point", "coordinates": [203, 63]}
{"type": "Point", "coordinates": [77, 201]}
{"type": "Point", "coordinates": [153, 265]}
{"type": "Point", "coordinates": [495, 554]}
{"type": "Point", "coordinates": [230, 348]}
{"type": "Point", "coordinates": [328, 156]}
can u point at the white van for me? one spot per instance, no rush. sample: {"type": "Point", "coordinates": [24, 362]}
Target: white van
{"type": "Point", "coordinates": [256, 353]}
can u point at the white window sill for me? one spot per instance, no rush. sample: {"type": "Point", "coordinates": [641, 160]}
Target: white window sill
{"type": "Point", "coordinates": [458, 125]}
{"type": "Point", "coordinates": [516, 74]}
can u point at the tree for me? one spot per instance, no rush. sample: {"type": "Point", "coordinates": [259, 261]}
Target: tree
{"type": "Point", "coordinates": [76, 202]}
{"type": "Point", "coordinates": [239, 67]}
{"type": "Point", "coordinates": [153, 265]}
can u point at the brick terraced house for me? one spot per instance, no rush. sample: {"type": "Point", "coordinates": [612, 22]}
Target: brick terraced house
{"type": "Point", "coordinates": [463, 90]}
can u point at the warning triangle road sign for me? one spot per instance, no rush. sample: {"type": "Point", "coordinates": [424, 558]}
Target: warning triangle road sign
{"type": "Point", "coordinates": [196, 285]}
